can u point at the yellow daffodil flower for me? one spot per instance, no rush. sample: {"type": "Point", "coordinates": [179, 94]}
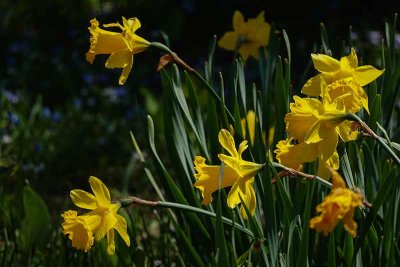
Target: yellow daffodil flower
{"type": "Point", "coordinates": [338, 205]}
{"type": "Point", "coordinates": [295, 155]}
{"type": "Point", "coordinates": [121, 46]}
{"type": "Point", "coordinates": [237, 173]}
{"type": "Point", "coordinates": [246, 37]}
{"type": "Point", "coordinates": [332, 70]}
{"type": "Point", "coordinates": [99, 222]}
{"type": "Point", "coordinates": [313, 121]}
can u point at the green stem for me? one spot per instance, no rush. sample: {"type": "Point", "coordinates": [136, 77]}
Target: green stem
{"type": "Point", "coordinates": [127, 201]}
{"type": "Point", "coordinates": [179, 61]}
{"type": "Point", "coordinates": [364, 127]}
{"type": "Point", "coordinates": [302, 174]}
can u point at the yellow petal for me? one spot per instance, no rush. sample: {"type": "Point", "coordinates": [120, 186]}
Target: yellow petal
{"type": "Point", "coordinates": [345, 131]}
{"type": "Point", "coordinates": [259, 30]}
{"type": "Point", "coordinates": [249, 199]}
{"type": "Point", "coordinates": [125, 73]}
{"type": "Point", "coordinates": [119, 59]}
{"type": "Point", "coordinates": [229, 41]}
{"type": "Point", "coordinates": [93, 219]}
{"type": "Point", "coordinates": [350, 61]}
{"type": "Point", "coordinates": [107, 223]}
{"type": "Point", "coordinates": [121, 228]}
{"type": "Point", "coordinates": [227, 142]}
{"type": "Point", "coordinates": [337, 180]}
{"type": "Point", "coordinates": [363, 75]}
{"type": "Point", "coordinates": [251, 122]}
{"type": "Point", "coordinates": [242, 147]}
{"type": "Point", "coordinates": [103, 42]}
{"type": "Point", "coordinates": [242, 167]}
{"type": "Point", "coordinates": [132, 23]}
{"type": "Point", "coordinates": [100, 191]}
{"type": "Point", "coordinates": [239, 188]}
{"type": "Point", "coordinates": [111, 242]}
{"type": "Point", "coordinates": [317, 132]}
{"type": "Point", "coordinates": [207, 178]}
{"type": "Point", "coordinates": [312, 86]}
{"type": "Point", "coordinates": [246, 50]}
{"type": "Point", "coordinates": [324, 63]}
{"type": "Point", "coordinates": [327, 146]}
{"type": "Point", "coordinates": [81, 236]}
{"type": "Point", "coordinates": [293, 156]}
{"type": "Point", "coordinates": [238, 21]}
{"type": "Point", "coordinates": [325, 166]}
{"type": "Point", "coordinates": [83, 199]}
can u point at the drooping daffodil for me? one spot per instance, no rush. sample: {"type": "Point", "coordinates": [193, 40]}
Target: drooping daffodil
{"type": "Point", "coordinates": [121, 46]}
{"type": "Point", "coordinates": [315, 122]}
{"type": "Point", "coordinates": [294, 156]}
{"type": "Point", "coordinates": [340, 204]}
{"type": "Point", "coordinates": [237, 174]}
{"type": "Point", "coordinates": [333, 70]}
{"type": "Point", "coordinates": [101, 221]}
{"type": "Point", "coordinates": [246, 37]}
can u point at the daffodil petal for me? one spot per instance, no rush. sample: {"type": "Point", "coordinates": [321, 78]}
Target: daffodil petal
{"type": "Point", "coordinates": [207, 178]}
{"type": "Point", "coordinates": [125, 72]}
{"type": "Point", "coordinates": [233, 198]}
{"type": "Point", "coordinates": [363, 75]}
{"type": "Point", "coordinates": [100, 191]}
{"type": "Point", "coordinates": [242, 167]}
{"type": "Point", "coordinates": [327, 146]}
{"type": "Point", "coordinates": [107, 223]}
{"type": "Point", "coordinates": [313, 86]}
{"type": "Point", "coordinates": [345, 131]}
{"type": "Point", "coordinates": [229, 41]}
{"type": "Point", "coordinates": [119, 59]}
{"type": "Point", "coordinates": [324, 63]}
{"type": "Point", "coordinates": [248, 200]}
{"type": "Point", "coordinates": [238, 21]}
{"type": "Point", "coordinates": [350, 61]}
{"type": "Point", "coordinates": [227, 142]}
{"type": "Point", "coordinates": [83, 199]}
{"type": "Point", "coordinates": [111, 242]}
{"type": "Point", "coordinates": [121, 228]}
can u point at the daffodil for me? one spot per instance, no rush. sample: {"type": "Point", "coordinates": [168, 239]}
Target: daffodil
{"type": "Point", "coordinates": [332, 70]}
{"type": "Point", "coordinates": [338, 205]}
{"type": "Point", "coordinates": [295, 155]}
{"type": "Point", "coordinates": [121, 46]}
{"type": "Point", "coordinates": [246, 37]}
{"type": "Point", "coordinates": [315, 122]}
{"type": "Point", "coordinates": [237, 174]}
{"type": "Point", "coordinates": [99, 222]}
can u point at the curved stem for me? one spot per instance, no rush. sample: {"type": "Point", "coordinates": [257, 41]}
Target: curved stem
{"type": "Point", "coordinates": [302, 174]}
{"type": "Point", "coordinates": [365, 128]}
{"type": "Point", "coordinates": [127, 201]}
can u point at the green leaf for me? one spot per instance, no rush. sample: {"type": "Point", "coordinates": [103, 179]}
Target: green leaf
{"type": "Point", "coordinates": [36, 225]}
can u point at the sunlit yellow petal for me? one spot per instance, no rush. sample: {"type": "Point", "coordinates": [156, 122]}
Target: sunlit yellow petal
{"type": "Point", "coordinates": [226, 140]}
{"type": "Point", "coordinates": [346, 132]}
{"type": "Point", "coordinates": [100, 191]}
{"type": "Point", "coordinates": [81, 236]}
{"type": "Point", "coordinates": [207, 178]}
{"type": "Point", "coordinates": [125, 73]}
{"type": "Point", "coordinates": [107, 223]}
{"type": "Point", "coordinates": [242, 167]}
{"type": "Point", "coordinates": [121, 228]}
{"type": "Point", "coordinates": [294, 155]}
{"type": "Point", "coordinates": [111, 242]}
{"type": "Point", "coordinates": [324, 63]}
{"type": "Point", "coordinates": [249, 199]}
{"type": "Point", "coordinates": [119, 59]}
{"type": "Point", "coordinates": [363, 75]}
{"type": "Point", "coordinates": [349, 62]}
{"type": "Point", "coordinates": [313, 86]}
{"type": "Point", "coordinates": [83, 199]}
{"type": "Point", "coordinates": [239, 188]}
{"type": "Point", "coordinates": [327, 146]}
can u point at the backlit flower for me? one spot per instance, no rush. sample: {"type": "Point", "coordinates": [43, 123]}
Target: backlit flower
{"type": "Point", "coordinates": [121, 46]}
{"type": "Point", "coordinates": [246, 37]}
{"type": "Point", "coordinates": [315, 122]}
{"type": "Point", "coordinates": [295, 155]}
{"type": "Point", "coordinates": [99, 222]}
{"type": "Point", "coordinates": [332, 70]}
{"type": "Point", "coordinates": [237, 173]}
{"type": "Point", "coordinates": [338, 205]}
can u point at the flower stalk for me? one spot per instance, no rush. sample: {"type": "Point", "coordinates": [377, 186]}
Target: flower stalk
{"type": "Point", "coordinates": [130, 200]}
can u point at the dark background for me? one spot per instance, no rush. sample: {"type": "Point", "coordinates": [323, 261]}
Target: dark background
{"type": "Point", "coordinates": [43, 42]}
